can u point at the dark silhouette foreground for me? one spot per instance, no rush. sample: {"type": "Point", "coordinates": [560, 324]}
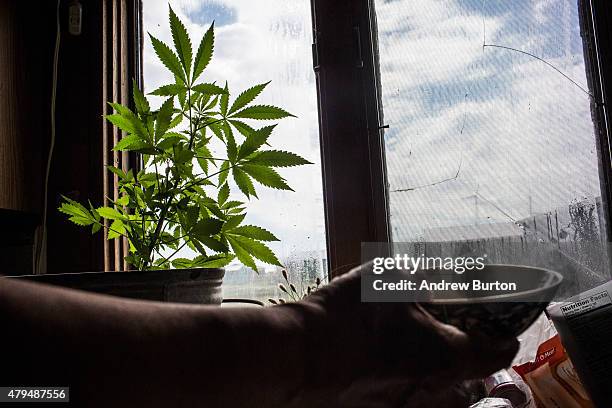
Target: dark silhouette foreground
{"type": "Point", "coordinates": [329, 350]}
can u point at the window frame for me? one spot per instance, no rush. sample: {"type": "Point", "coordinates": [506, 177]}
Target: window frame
{"type": "Point", "coordinates": [349, 89]}
{"type": "Point", "coordinates": [355, 196]}
{"type": "Point", "coordinates": [597, 43]}
{"type": "Point", "coordinates": [351, 120]}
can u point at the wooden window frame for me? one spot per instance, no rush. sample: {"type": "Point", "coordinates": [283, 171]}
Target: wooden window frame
{"type": "Point", "coordinates": [351, 121]}
{"type": "Point", "coordinates": [352, 125]}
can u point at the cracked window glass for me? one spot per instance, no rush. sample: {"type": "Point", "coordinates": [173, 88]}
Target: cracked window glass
{"type": "Point", "coordinates": [491, 146]}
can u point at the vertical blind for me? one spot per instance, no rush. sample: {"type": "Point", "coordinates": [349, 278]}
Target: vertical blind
{"type": "Point", "coordinates": [120, 63]}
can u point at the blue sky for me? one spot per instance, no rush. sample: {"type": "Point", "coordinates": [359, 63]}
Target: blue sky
{"type": "Point", "coordinates": [208, 11]}
{"type": "Point", "coordinates": [521, 132]}
{"type": "Point", "coordinates": [517, 127]}
{"type": "Point", "coordinates": [259, 41]}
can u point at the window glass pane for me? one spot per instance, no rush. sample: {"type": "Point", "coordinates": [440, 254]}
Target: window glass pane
{"type": "Point", "coordinates": [491, 145]}
{"type": "Point", "coordinates": [259, 41]}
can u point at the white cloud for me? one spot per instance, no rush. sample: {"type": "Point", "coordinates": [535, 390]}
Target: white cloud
{"type": "Point", "coordinates": [258, 47]}
{"type": "Point", "coordinates": [523, 134]}
{"type": "Point", "coordinates": [527, 130]}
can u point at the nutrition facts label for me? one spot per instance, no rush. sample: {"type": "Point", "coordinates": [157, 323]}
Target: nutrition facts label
{"type": "Point", "coordinates": [587, 304]}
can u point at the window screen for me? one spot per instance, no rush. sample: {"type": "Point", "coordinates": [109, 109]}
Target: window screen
{"type": "Point", "coordinates": [491, 146]}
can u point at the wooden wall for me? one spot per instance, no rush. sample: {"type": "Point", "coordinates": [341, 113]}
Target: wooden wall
{"type": "Point", "coordinates": [21, 115]}
{"type": "Point", "coordinates": [27, 39]}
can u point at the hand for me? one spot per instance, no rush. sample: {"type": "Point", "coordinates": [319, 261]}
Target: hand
{"type": "Point", "coordinates": [388, 354]}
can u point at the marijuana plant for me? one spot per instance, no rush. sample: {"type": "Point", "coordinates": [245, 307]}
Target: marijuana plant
{"type": "Point", "coordinates": [191, 147]}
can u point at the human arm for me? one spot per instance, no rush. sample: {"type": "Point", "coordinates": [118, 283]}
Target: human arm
{"type": "Point", "coordinates": [329, 350]}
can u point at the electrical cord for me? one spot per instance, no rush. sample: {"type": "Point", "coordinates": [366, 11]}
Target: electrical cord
{"type": "Point", "coordinates": [42, 249]}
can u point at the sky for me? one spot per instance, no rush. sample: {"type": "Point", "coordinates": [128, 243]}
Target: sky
{"type": "Point", "coordinates": [513, 131]}
{"type": "Point", "coordinates": [518, 133]}
{"type": "Point", "coordinates": [253, 47]}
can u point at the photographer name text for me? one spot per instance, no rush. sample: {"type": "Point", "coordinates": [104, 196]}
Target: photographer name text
{"type": "Point", "coordinates": [424, 285]}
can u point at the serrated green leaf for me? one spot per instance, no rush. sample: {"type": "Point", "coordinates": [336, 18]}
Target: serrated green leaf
{"type": "Point", "coordinates": [257, 249]}
{"type": "Point", "coordinates": [118, 172]}
{"type": "Point", "coordinates": [217, 131]}
{"type": "Point", "coordinates": [235, 211]}
{"type": "Point", "coordinates": [175, 122]}
{"type": "Point", "coordinates": [116, 229]}
{"type": "Point", "coordinates": [213, 244]}
{"type": "Point", "coordinates": [132, 142]}
{"type": "Point", "coordinates": [214, 261]}
{"type": "Point", "coordinates": [181, 263]}
{"type": "Point", "coordinates": [120, 109]}
{"type": "Point", "coordinates": [244, 183]}
{"type": "Point", "coordinates": [209, 89]}
{"type": "Point", "coordinates": [110, 213]}
{"type": "Point", "coordinates": [95, 227]}
{"type": "Point", "coordinates": [168, 142]}
{"type": "Point", "coordinates": [80, 221]}
{"type": "Point", "coordinates": [93, 212]}
{"type": "Point", "coordinates": [232, 204]}
{"type": "Point", "coordinates": [224, 101]}
{"type": "Point", "coordinates": [164, 117]}
{"type": "Point", "coordinates": [277, 158]}
{"type": "Point", "coordinates": [211, 206]}
{"type": "Point", "coordinates": [244, 129]}
{"type": "Point", "coordinates": [223, 172]}
{"type": "Point", "coordinates": [254, 232]}
{"type": "Point", "coordinates": [255, 141]}
{"type": "Point", "coordinates": [140, 101]}
{"type": "Point", "coordinates": [207, 227]}
{"type": "Point", "coordinates": [131, 125]}
{"type": "Point", "coordinates": [77, 213]}
{"type": "Point", "coordinates": [242, 255]}
{"type": "Point", "coordinates": [262, 112]}
{"type": "Point", "coordinates": [205, 52]}
{"type": "Point", "coordinates": [181, 40]}
{"type": "Point", "coordinates": [247, 97]}
{"type": "Point", "coordinates": [183, 156]}
{"type": "Point", "coordinates": [123, 201]}
{"type": "Point", "coordinates": [182, 95]}
{"type": "Point", "coordinates": [233, 222]}
{"type": "Point", "coordinates": [266, 176]}
{"type": "Point", "coordinates": [168, 58]}
{"type": "Point", "coordinates": [230, 143]}
{"type": "Point", "coordinates": [223, 195]}
{"type": "Point", "coordinates": [169, 90]}
{"type": "Point", "coordinates": [192, 214]}
{"type": "Point", "coordinates": [203, 154]}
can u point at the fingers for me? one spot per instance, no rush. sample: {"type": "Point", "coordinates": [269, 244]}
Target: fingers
{"type": "Point", "coordinates": [446, 354]}
{"type": "Point", "coordinates": [477, 356]}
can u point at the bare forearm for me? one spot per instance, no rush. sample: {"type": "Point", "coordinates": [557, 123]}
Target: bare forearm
{"type": "Point", "coordinates": [116, 352]}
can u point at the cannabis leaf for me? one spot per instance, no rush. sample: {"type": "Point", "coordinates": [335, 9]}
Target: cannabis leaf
{"type": "Point", "coordinates": [182, 43]}
{"type": "Point", "coordinates": [197, 150]}
{"type": "Point", "coordinates": [246, 97]}
{"type": "Point", "coordinates": [262, 112]}
{"type": "Point", "coordinates": [205, 51]}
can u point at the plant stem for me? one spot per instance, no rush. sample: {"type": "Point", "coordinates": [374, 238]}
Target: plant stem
{"type": "Point", "coordinates": [196, 182]}
{"type": "Point", "coordinates": [166, 208]}
{"type": "Point", "coordinates": [210, 158]}
{"type": "Point", "coordinates": [209, 123]}
{"type": "Point", "coordinates": [166, 259]}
